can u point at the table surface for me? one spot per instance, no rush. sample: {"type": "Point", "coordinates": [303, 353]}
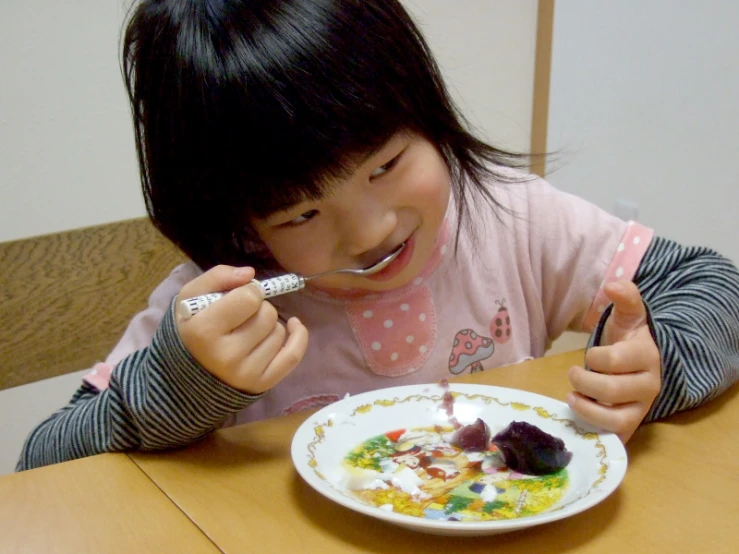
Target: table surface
{"type": "Point", "coordinates": [237, 491]}
{"type": "Point", "coordinates": [680, 494]}
{"type": "Point", "coordinates": [101, 504]}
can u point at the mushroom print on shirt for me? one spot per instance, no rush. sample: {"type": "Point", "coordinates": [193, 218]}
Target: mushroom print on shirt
{"type": "Point", "coordinates": [469, 350]}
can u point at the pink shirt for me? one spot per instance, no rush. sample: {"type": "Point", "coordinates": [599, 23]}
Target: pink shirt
{"type": "Point", "coordinates": [530, 275]}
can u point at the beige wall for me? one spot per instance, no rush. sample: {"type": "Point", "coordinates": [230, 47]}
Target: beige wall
{"type": "Point", "coordinates": [645, 106]}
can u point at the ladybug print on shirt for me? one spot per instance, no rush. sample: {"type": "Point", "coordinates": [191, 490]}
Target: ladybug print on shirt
{"type": "Point", "coordinates": [500, 326]}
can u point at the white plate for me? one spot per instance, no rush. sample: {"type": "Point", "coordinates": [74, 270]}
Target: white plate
{"type": "Point", "coordinates": [323, 441]}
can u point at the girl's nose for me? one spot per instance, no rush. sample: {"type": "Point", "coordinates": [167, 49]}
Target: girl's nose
{"type": "Point", "coordinates": [367, 228]}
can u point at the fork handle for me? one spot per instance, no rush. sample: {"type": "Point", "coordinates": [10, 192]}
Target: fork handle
{"type": "Point", "coordinates": [276, 286]}
{"type": "Point", "coordinates": [283, 284]}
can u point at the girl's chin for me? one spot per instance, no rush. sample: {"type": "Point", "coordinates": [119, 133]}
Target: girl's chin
{"type": "Point", "coordinates": [359, 289]}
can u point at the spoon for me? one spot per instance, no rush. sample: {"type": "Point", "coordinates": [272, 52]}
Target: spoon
{"type": "Point", "coordinates": [282, 284]}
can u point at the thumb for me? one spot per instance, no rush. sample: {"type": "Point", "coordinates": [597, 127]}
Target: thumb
{"type": "Point", "coordinates": [628, 311]}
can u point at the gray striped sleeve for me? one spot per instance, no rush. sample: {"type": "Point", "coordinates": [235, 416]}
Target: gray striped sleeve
{"type": "Point", "coordinates": [158, 398]}
{"type": "Point", "coordinates": [692, 296]}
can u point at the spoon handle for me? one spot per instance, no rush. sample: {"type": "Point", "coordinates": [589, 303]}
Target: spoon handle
{"type": "Point", "coordinates": [282, 284]}
{"type": "Point", "coordinates": [276, 286]}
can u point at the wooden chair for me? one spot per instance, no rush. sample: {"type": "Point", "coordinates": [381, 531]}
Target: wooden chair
{"type": "Point", "coordinates": [66, 298]}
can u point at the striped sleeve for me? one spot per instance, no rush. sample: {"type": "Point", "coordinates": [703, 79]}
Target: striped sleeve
{"type": "Point", "coordinates": [159, 397]}
{"type": "Point", "coordinates": [692, 297]}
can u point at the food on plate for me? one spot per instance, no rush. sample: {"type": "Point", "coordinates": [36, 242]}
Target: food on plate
{"type": "Point", "coordinates": [528, 449]}
{"type": "Point", "coordinates": [474, 437]}
{"type": "Point", "coordinates": [454, 473]}
{"type": "Point", "coordinates": [524, 446]}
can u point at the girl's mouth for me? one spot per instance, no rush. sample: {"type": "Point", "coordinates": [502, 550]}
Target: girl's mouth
{"type": "Point", "coordinates": [398, 264]}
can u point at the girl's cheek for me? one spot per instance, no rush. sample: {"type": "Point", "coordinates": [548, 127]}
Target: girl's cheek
{"type": "Point", "coordinates": [431, 183]}
{"type": "Point", "coordinates": [298, 254]}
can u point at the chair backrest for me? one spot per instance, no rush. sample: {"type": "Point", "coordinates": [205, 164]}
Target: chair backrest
{"type": "Point", "coordinates": [66, 298]}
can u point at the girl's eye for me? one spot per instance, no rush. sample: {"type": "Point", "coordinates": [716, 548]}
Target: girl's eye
{"type": "Point", "coordinates": [386, 167]}
{"type": "Point", "coordinates": [305, 216]}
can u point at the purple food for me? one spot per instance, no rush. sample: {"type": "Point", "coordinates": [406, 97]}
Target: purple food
{"type": "Point", "coordinates": [528, 449]}
{"type": "Point", "coordinates": [475, 437]}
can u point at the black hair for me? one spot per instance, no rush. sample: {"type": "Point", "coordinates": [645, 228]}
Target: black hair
{"type": "Point", "coordinates": [245, 107]}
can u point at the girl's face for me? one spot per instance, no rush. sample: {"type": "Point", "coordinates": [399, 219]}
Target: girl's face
{"type": "Point", "coordinates": [397, 195]}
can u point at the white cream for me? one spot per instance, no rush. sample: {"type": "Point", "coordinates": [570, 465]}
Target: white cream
{"type": "Point", "coordinates": [403, 478]}
{"type": "Point", "coordinates": [355, 479]}
{"type": "Point", "coordinates": [473, 456]}
{"type": "Point", "coordinates": [406, 480]}
{"type": "Point", "coordinates": [489, 494]}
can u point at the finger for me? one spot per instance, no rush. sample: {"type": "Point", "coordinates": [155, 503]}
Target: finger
{"type": "Point", "coordinates": [621, 419]}
{"type": "Point", "coordinates": [289, 356]}
{"type": "Point", "coordinates": [621, 357]}
{"type": "Point", "coordinates": [231, 311]}
{"type": "Point", "coordinates": [220, 278]}
{"type": "Point", "coordinates": [256, 361]}
{"type": "Point", "coordinates": [613, 389]}
{"type": "Point", "coordinates": [248, 336]}
{"type": "Point", "coordinates": [264, 317]}
{"type": "Point", "coordinates": [628, 307]}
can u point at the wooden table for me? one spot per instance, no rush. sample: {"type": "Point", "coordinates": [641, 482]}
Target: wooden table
{"type": "Point", "coordinates": [102, 504]}
{"type": "Point", "coordinates": [237, 491]}
{"type": "Point", "coordinates": [680, 494]}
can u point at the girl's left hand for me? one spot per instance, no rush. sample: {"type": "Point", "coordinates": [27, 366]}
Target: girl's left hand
{"type": "Point", "coordinates": [626, 373]}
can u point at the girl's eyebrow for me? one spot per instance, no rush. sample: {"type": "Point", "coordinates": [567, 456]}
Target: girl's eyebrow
{"type": "Point", "coordinates": [371, 153]}
{"type": "Point", "coordinates": [365, 157]}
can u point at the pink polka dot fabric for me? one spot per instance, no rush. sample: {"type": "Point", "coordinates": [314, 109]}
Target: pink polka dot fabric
{"type": "Point", "coordinates": [623, 266]}
{"type": "Point", "coordinates": [396, 336]}
{"type": "Point", "coordinates": [397, 333]}
{"type": "Point", "coordinates": [99, 376]}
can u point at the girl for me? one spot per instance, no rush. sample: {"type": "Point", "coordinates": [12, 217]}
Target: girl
{"type": "Point", "coordinates": [311, 135]}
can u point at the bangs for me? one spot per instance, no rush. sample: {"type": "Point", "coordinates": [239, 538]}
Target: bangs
{"type": "Point", "coordinates": [274, 100]}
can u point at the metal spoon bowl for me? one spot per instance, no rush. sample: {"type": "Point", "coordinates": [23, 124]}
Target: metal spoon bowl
{"type": "Point", "coordinates": [363, 272]}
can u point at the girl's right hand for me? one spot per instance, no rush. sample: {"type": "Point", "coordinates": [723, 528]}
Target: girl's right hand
{"type": "Point", "coordinates": [239, 339]}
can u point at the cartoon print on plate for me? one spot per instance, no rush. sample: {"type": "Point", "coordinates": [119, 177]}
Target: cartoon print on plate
{"type": "Point", "coordinates": [435, 480]}
{"type": "Point", "coordinates": [397, 335]}
{"type": "Point", "coordinates": [468, 351]}
{"type": "Point", "coordinates": [500, 326]}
